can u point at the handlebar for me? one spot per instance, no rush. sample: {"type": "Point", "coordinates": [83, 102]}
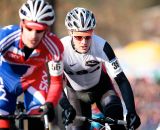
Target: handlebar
{"type": "Point", "coordinates": [19, 116]}
{"type": "Point", "coordinates": [23, 116]}
{"type": "Point", "coordinates": [107, 120]}
{"type": "Point", "coordinates": [102, 120]}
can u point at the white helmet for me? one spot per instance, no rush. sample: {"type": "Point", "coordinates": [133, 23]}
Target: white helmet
{"type": "Point", "coordinates": [80, 19]}
{"type": "Point", "coordinates": [37, 11]}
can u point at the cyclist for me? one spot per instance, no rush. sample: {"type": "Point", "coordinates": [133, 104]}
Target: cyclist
{"type": "Point", "coordinates": [30, 62]}
{"type": "Point", "coordinates": [89, 66]}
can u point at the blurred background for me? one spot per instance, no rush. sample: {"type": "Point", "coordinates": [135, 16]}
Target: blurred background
{"type": "Point", "coordinates": [132, 27]}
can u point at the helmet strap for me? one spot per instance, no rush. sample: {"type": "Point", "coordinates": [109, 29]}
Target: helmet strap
{"type": "Point", "coordinates": [72, 43]}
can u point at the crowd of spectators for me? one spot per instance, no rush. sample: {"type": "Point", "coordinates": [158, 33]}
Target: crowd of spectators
{"type": "Point", "coordinates": [147, 95]}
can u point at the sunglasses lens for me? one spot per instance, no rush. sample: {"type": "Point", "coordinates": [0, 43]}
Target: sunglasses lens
{"type": "Point", "coordinates": [80, 38]}
{"type": "Point", "coordinates": [40, 31]}
{"type": "Point", "coordinates": [88, 37]}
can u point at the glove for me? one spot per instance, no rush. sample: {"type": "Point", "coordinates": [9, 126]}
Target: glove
{"type": "Point", "coordinates": [133, 120]}
{"type": "Point", "coordinates": [48, 109]}
{"type": "Point", "coordinates": [68, 115]}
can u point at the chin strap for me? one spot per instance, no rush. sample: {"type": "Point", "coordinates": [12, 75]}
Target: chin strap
{"type": "Point", "coordinates": [73, 46]}
{"type": "Point", "coordinates": [72, 43]}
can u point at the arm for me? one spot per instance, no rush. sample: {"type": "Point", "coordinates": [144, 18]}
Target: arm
{"type": "Point", "coordinates": [126, 91]}
{"type": "Point", "coordinates": [68, 113]}
{"type": "Point", "coordinates": [55, 68]}
{"type": "Point", "coordinates": [64, 102]}
{"type": "Point", "coordinates": [56, 82]}
{"type": "Point", "coordinates": [120, 78]}
{"type": "Point", "coordinates": [132, 118]}
{"type": "Point", "coordinates": [55, 89]}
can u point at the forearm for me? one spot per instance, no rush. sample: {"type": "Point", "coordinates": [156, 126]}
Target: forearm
{"type": "Point", "coordinates": [126, 91]}
{"type": "Point", "coordinates": [64, 102]}
{"type": "Point", "coordinates": [55, 90]}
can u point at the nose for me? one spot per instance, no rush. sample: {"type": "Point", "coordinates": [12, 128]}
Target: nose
{"type": "Point", "coordinates": [33, 34]}
{"type": "Point", "coordinates": [84, 41]}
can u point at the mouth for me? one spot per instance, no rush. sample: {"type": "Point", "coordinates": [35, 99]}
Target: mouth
{"type": "Point", "coordinates": [84, 47]}
{"type": "Point", "coordinates": [33, 40]}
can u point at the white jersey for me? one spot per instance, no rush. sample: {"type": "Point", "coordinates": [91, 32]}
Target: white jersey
{"type": "Point", "coordinates": [83, 70]}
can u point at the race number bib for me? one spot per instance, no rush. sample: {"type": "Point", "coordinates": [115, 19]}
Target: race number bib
{"type": "Point", "coordinates": [55, 68]}
{"type": "Point", "coordinates": [114, 67]}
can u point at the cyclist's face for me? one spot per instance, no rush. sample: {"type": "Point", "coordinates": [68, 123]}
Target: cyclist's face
{"type": "Point", "coordinates": [82, 41]}
{"type": "Point", "coordinates": [31, 37]}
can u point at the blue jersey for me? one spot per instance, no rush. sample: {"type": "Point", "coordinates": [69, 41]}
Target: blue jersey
{"type": "Point", "coordinates": [9, 36]}
{"type": "Point", "coordinates": [34, 76]}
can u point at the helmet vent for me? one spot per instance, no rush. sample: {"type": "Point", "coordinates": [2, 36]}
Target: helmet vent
{"type": "Point", "coordinates": [89, 24]}
{"type": "Point", "coordinates": [75, 24]}
{"type": "Point", "coordinates": [82, 19]}
{"type": "Point", "coordinates": [27, 5]}
{"type": "Point", "coordinates": [75, 17]}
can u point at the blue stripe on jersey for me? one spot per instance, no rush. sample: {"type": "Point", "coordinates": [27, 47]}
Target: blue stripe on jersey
{"type": "Point", "coordinates": [8, 35]}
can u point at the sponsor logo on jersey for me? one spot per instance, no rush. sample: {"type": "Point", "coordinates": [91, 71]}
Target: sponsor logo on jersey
{"type": "Point", "coordinates": [13, 56]}
{"type": "Point", "coordinates": [44, 82]}
{"type": "Point", "coordinates": [2, 91]}
{"type": "Point", "coordinates": [72, 64]}
{"type": "Point", "coordinates": [91, 63]}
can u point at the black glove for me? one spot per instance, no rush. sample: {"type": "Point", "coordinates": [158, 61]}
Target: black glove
{"type": "Point", "coordinates": [133, 120]}
{"type": "Point", "coordinates": [48, 109]}
{"type": "Point", "coordinates": [68, 115]}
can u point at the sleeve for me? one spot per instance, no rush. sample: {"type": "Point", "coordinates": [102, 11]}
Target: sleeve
{"type": "Point", "coordinates": [64, 102]}
{"type": "Point", "coordinates": [55, 71]}
{"type": "Point", "coordinates": [116, 71]}
{"type": "Point", "coordinates": [56, 81]}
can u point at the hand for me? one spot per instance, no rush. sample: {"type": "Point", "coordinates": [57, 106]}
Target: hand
{"type": "Point", "coordinates": [68, 115]}
{"type": "Point", "coordinates": [48, 109]}
{"type": "Point", "coordinates": [133, 120]}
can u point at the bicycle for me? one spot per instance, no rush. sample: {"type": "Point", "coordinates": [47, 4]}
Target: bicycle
{"type": "Point", "coordinates": [21, 116]}
{"type": "Point", "coordinates": [104, 122]}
